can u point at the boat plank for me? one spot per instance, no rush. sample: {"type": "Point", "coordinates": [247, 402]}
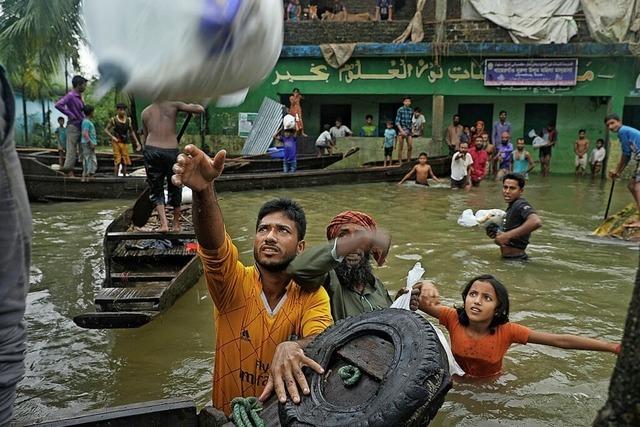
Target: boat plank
{"type": "Point", "coordinates": [369, 353]}
{"type": "Point", "coordinates": [150, 291]}
{"type": "Point", "coordinates": [143, 235]}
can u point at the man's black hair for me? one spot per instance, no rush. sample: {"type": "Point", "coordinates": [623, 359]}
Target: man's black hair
{"type": "Point", "coordinates": [515, 177]}
{"type": "Point", "coordinates": [368, 116]}
{"type": "Point", "coordinates": [296, 89]}
{"type": "Point", "coordinates": [582, 130]}
{"type": "Point", "coordinates": [612, 116]}
{"type": "Point", "coordinates": [456, 115]}
{"type": "Point", "coordinates": [290, 209]}
{"type": "Point", "coordinates": [501, 315]}
{"type": "Point", "coordinates": [600, 140]}
{"type": "Point", "coordinates": [502, 111]}
{"type": "Point", "coordinates": [339, 119]}
{"type": "Point", "coordinates": [121, 105]}
{"type": "Point", "coordinates": [77, 81]}
{"type": "Point", "coordinates": [327, 127]}
{"type": "Point", "coordinates": [417, 109]}
{"type": "Point", "coordinates": [423, 154]}
{"type": "Point", "coordinates": [61, 118]}
{"type": "Point", "coordinates": [87, 109]}
{"type": "Point", "coordinates": [406, 97]}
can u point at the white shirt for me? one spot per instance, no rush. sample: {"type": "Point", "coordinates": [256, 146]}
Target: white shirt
{"type": "Point", "coordinates": [459, 166]}
{"type": "Point", "coordinates": [324, 140]}
{"type": "Point", "coordinates": [417, 123]}
{"type": "Point", "coordinates": [598, 155]}
{"type": "Point", "coordinates": [340, 132]}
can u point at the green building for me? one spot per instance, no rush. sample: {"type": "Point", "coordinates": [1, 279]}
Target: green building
{"type": "Point", "coordinates": [448, 78]}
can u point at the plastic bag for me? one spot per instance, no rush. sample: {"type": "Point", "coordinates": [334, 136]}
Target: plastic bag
{"type": "Point", "coordinates": [413, 277]}
{"type": "Point", "coordinates": [490, 216]}
{"type": "Point", "coordinates": [189, 49]}
{"type": "Point", "coordinates": [467, 219]}
{"type": "Point", "coordinates": [289, 122]}
{"type": "Point", "coordinates": [537, 141]}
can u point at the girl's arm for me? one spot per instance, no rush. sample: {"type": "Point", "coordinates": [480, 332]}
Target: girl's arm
{"type": "Point", "coordinates": [572, 342]}
{"type": "Point", "coordinates": [408, 175]}
{"type": "Point", "coordinates": [429, 300]}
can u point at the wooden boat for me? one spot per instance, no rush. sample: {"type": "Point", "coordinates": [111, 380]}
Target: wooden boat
{"type": "Point", "coordinates": [262, 163]}
{"type": "Point", "coordinates": [145, 273]}
{"type": "Point", "coordinates": [45, 184]}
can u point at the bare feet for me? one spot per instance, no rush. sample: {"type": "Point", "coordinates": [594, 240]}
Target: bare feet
{"type": "Point", "coordinates": [634, 224]}
{"type": "Point", "coordinates": [176, 220]}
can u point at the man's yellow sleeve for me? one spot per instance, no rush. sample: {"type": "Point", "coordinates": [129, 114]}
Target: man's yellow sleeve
{"type": "Point", "coordinates": [316, 313]}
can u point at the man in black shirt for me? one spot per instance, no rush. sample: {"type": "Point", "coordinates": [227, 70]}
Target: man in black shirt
{"type": "Point", "coordinates": [521, 220]}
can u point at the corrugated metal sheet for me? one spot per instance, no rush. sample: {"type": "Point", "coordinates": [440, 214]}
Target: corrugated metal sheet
{"type": "Point", "coordinates": [265, 127]}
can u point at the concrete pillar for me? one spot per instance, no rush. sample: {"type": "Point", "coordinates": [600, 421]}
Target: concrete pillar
{"type": "Point", "coordinates": [437, 121]}
{"type": "Point", "coordinates": [441, 17]}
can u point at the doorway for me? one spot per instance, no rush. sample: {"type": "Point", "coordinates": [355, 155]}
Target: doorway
{"type": "Point", "coordinates": [471, 113]}
{"type": "Point", "coordinates": [330, 112]}
{"type": "Point", "coordinates": [537, 117]}
{"type": "Point", "coordinates": [631, 116]}
{"type": "Point", "coordinates": [386, 112]}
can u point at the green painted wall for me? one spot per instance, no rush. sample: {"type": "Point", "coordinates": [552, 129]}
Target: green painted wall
{"type": "Point", "coordinates": [367, 82]}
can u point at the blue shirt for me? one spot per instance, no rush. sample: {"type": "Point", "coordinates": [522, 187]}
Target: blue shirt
{"type": "Point", "coordinates": [498, 128]}
{"type": "Point", "coordinates": [61, 133]}
{"type": "Point", "coordinates": [290, 148]}
{"type": "Point", "coordinates": [389, 137]}
{"type": "Point", "coordinates": [403, 117]}
{"type": "Point", "coordinates": [629, 140]}
{"type": "Point", "coordinates": [88, 133]}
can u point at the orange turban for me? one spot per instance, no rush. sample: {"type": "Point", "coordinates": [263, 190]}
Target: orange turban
{"type": "Point", "coordinates": [353, 217]}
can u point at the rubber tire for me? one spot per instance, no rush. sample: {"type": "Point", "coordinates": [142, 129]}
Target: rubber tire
{"type": "Point", "coordinates": [412, 391]}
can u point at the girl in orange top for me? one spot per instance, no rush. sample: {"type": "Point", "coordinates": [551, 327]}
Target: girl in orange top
{"type": "Point", "coordinates": [295, 109]}
{"type": "Point", "coordinates": [480, 330]}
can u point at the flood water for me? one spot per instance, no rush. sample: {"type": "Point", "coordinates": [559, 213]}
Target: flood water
{"type": "Point", "coordinates": [573, 284]}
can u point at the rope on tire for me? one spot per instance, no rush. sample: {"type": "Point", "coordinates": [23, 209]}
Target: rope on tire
{"type": "Point", "coordinates": [350, 375]}
{"type": "Point", "coordinates": [244, 412]}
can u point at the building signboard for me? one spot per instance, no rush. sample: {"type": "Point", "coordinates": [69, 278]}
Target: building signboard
{"type": "Point", "coordinates": [530, 72]}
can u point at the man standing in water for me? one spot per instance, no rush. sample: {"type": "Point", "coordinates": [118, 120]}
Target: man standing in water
{"type": "Point", "coordinates": [521, 220]}
{"type": "Point", "coordinates": [630, 144]}
{"type": "Point", "coordinates": [258, 308]}
{"type": "Point", "coordinates": [343, 266]}
{"type": "Point", "coordinates": [121, 127]}
{"type": "Point", "coordinates": [71, 105]}
{"type": "Point", "coordinates": [160, 153]}
{"type": "Point", "coordinates": [15, 239]}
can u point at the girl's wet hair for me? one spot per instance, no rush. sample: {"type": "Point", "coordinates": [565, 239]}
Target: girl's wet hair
{"type": "Point", "coordinates": [502, 310]}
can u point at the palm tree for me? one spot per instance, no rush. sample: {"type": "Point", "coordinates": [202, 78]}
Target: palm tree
{"type": "Point", "coordinates": [36, 36]}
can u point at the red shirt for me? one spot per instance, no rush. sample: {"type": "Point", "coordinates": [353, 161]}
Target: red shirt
{"type": "Point", "coordinates": [481, 357]}
{"type": "Point", "coordinates": [480, 159]}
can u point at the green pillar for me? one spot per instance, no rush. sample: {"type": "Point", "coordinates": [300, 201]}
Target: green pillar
{"type": "Point", "coordinates": [437, 120]}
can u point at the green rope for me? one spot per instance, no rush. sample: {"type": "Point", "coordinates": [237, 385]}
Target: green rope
{"type": "Point", "coordinates": [244, 412]}
{"type": "Point", "coordinates": [350, 375]}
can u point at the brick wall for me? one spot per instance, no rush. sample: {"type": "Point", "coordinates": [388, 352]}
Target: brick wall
{"type": "Point", "coordinates": [456, 31]}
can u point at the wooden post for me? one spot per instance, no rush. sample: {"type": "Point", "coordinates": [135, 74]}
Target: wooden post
{"type": "Point", "coordinates": [441, 17]}
{"type": "Point", "coordinates": [437, 121]}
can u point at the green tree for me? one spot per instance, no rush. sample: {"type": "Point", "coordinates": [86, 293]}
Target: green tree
{"type": "Point", "coordinates": [36, 38]}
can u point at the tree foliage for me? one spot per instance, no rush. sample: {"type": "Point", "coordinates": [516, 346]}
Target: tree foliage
{"type": "Point", "coordinates": [36, 36]}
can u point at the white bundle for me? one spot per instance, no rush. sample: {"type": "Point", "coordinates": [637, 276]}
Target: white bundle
{"type": "Point", "coordinates": [189, 49]}
{"type": "Point", "coordinates": [413, 277]}
{"type": "Point", "coordinates": [537, 140]}
{"type": "Point", "coordinates": [482, 216]}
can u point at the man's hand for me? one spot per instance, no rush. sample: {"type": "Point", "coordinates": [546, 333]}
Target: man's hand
{"type": "Point", "coordinates": [414, 302]}
{"type": "Point", "coordinates": [196, 170]}
{"type": "Point", "coordinates": [114, 139]}
{"type": "Point", "coordinates": [380, 244]}
{"type": "Point", "coordinates": [286, 370]}
{"type": "Point", "coordinates": [138, 147]}
{"type": "Point", "coordinates": [614, 174]}
{"type": "Point", "coordinates": [502, 239]}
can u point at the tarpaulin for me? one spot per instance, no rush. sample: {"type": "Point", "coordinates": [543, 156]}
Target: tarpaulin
{"type": "Point", "coordinates": [542, 21]}
{"type": "Point", "coordinates": [612, 21]}
{"type": "Point", "coordinates": [337, 54]}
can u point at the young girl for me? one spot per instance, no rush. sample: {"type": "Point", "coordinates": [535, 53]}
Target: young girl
{"type": "Point", "coordinates": [480, 330]}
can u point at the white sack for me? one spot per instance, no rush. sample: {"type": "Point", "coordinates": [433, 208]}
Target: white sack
{"type": "Point", "coordinates": [537, 141]}
{"type": "Point", "coordinates": [467, 219]}
{"type": "Point", "coordinates": [413, 277]}
{"type": "Point", "coordinates": [189, 49]}
{"type": "Point", "coordinates": [542, 21]}
{"type": "Point", "coordinates": [610, 21]}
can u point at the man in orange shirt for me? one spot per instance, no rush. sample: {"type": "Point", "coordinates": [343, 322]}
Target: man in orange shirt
{"type": "Point", "coordinates": [260, 310]}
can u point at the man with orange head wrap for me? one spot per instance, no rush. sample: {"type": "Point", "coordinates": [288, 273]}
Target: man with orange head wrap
{"type": "Point", "coordinates": [343, 265]}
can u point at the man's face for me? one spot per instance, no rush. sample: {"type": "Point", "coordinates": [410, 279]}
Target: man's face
{"type": "Point", "coordinates": [502, 117]}
{"type": "Point", "coordinates": [345, 230]}
{"type": "Point", "coordinates": [276, 243]}
{"type": "Point", "coordinates": [61, 122]}
{"type": "Point", "coordinates": [479, 144]}
{"type": "Point", "coordinates": [82, 87]}
{"type": "Point", "coordinates": [505, 138]}
{"type": "Point", "coordinates": [599, 144]}
{"type": "Point", "coordinates": [614, 125]}
{"type": "Point", "coordinates": [406, 102]}
{"type": "Point", "coordinates": [338, 123]}
{"type": "Point", "coordinates": [520, 145]}
{"type": "Point", "coordinates": [464, 148]}
{"type": "Point", "coordinates": [456, 120]}
{"type": "Point", "coordinates": [581, 135]}
{"type": "Point", "coordinates": [485, 138]}
{"type": "Point", "coordinates": [122, 112]}
{"type": "Point", "coordinates": [369, 120]}
{"type": "Point", "coordinates": [511, 191]}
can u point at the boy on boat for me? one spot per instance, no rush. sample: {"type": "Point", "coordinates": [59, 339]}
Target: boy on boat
{"type": "Point", "coordinates": [519, 222]}
{"type": "Point", "coordinates": [422, 171]}
{"type": "Point", "coordinates": [88, 142]}
{"type": "Point", "coordinates": [71, 105]}
{"type": "Point", "coordinates": [121, 127]}
{"type": "Point", "coordinates": [61, 140]}
{"type": "Point", "coordinates": [324, 141]}
{"type": "Point", "coordinates": [630, 144]}
{"type": "Point", "coordinates": [389, 143]}
{"type": "Point", "coordinates": [263, 317]}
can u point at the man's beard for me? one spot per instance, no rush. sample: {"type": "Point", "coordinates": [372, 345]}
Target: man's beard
{"type": "Point", "coordinates": [273, 267]}
{"type": "Point", "coordinates": [359, 274]}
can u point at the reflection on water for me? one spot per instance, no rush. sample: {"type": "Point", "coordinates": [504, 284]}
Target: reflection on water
{"type": "Point", "coordinates": [574, 284]}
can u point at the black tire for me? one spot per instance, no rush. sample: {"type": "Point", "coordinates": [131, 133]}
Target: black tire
{"type": "Point", "coordinates": [411, 392]}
